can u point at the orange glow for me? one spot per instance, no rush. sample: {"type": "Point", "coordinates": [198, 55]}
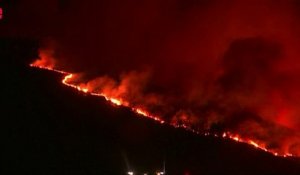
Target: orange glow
{"type": "Point", "coordinates": [253, 143]}
{"type": "Point", "coordinates": [142, 112]}
{"type": "Point", "coordinates": [115, 101]}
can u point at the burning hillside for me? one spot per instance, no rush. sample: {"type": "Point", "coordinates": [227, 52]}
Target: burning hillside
{"type": "Point", "coordinates": [228, 112]}
{"type": "Point", "coordinates": [211, 66]}
{"type": "Point", "coordinates": [224, 69]}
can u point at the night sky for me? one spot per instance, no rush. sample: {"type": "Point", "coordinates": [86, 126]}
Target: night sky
{"type": "Point", "coordinates": [211, 65]}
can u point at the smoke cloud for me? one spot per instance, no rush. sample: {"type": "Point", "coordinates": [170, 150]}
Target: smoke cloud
{"type": "Point", "coordinates": [212, 65]}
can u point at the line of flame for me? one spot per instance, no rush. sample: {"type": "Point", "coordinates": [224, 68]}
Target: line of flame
{"type": "Point", "coordinates": [144, 113]}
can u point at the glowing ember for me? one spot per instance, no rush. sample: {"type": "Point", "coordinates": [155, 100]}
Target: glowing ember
{"type": "Point", "coordinates": [139, 111]}
{"type": "Point", "coordinates": [67, 78]}
{"type": "Point", "coordinates": [115, 101]}
{"type": "Point", "coordinates": [120, 102]}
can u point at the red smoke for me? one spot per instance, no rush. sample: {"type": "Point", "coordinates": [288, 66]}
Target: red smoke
{"type": "Point", "coordinates": [212, 65]}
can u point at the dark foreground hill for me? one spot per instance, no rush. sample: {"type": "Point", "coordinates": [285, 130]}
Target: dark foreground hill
{"type": "Point", "coordinates": [52, 129]}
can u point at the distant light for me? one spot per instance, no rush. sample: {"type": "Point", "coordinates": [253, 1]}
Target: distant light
{"type": "Point", "coordinates": [160, 173]}
{"type": "Point", "coordinates": [130, 173]}
{"type": "Point", "coordinates": [1, 13]}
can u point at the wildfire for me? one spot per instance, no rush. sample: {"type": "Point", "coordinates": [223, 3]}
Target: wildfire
{"type": "Point", "coordinates": [121, 102]}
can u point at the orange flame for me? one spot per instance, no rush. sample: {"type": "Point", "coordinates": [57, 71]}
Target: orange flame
{"type": "Point", "coordinates": [141, 112]}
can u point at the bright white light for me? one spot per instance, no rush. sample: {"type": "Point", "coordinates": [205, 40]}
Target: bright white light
{"type": "Point", "coordinates": [130, 173]}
